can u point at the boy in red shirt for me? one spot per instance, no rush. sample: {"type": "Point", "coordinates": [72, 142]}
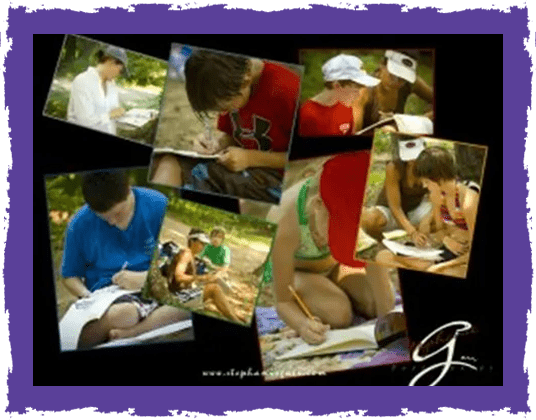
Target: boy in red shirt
{"type": "Point", "coordinates": [257, 104]}
{"type": "Point", "coordinates": [339, 108]}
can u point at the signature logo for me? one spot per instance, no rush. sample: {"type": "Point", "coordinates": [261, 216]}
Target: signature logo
{"type": "Point", "coordinates": [448, 347]}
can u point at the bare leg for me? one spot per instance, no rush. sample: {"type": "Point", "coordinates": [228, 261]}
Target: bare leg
{"type": "Point", "coordinates": [324, 299]}
{"type": "Point", "coordinates": [373, 222]}
{"type": "Point", "coordinates": [213, 292]}
{"type": "Point", "coordinates": [372, 292]}
{"type": "Point", "coordinates": [166, 171]}
{"type": "Point", "coordinates": [164, 315]}
{"type": "Point", "coordinates": [120, 315]}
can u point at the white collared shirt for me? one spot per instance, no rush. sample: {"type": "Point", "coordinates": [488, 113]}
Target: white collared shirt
{"type": "Point", "coordinates": [89, 105]}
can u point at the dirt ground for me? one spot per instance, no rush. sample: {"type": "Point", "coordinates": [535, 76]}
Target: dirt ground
{"type": "Point", "coordinates": [178, 125]}
{"type": "Point", "coordinates": [244, 283]}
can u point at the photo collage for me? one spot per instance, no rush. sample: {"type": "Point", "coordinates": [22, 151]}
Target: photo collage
{"type": "Point", "coordinates": [299, 199]}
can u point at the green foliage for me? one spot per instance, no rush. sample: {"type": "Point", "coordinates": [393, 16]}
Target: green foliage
{"type": "Point", "coordinates": [57, 103]}
{"type": "Point", "coordinates": [205, 217]}
{"type": "Point", "coordinates": [382, 142]}
{"type": "Point", "coordinates": [145, 71]}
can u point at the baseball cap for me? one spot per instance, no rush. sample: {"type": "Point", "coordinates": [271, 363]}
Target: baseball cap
{"type": "Point", "coordinates": [202, 237]}
{"type": "Point", "coordinates": [347, 67]}
{"type": "Point", "coordinates": [119, 54]}
{"type": "Point", "coordinates": [410, 149]}
{"type": "Point", "coordinates": [401, 65]}
{"type": "Point", "coordinates": [342, 188]}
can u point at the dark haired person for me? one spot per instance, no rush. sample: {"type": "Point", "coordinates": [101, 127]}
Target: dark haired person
{"type": "Point", "coordinates": [338, 109]}
{"type": "Point", "coordinates": [110, 240]}
{"type": "Point", "coordinates": [183, 277]}
{"type": "Point", "coordinates": [398, 79]}
{"type": "Point", "coordinates": [402, 202]}
{"type": "Point", "coordinates": [94, 99]}
{"type": "Point", "coordinates": [256, 101]}
{"type": "Point", "coordinates": [453, 216]}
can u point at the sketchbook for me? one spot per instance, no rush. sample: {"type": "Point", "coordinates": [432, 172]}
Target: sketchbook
{"type": "Point", "coordinates": [137, 117]}
{"type": "Point", "coordinates": [428, 253]}
{"type": "Point", "coordinates": [168, 329]}
{"type": "Point", "coordinates": [185, 153]}
{"type": "Point", "coordinates": [407, 124]}
{"type": "Point", "coordinates": [370, 335]}
{"type": "Point", "coordinates": [84, 310]}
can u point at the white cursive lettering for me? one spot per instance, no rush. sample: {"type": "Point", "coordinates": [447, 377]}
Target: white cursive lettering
{"type": "Point", "coordinates": [450, 353]}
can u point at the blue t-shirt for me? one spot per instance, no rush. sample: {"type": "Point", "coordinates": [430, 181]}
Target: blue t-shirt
{"type": "Point", "coordinates": [95, 250]}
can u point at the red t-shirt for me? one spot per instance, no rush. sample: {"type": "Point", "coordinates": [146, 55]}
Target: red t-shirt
{"type": "Point", "coordinates": [318, 120]}
{"type": "Point", "coordinates": [265, 122]}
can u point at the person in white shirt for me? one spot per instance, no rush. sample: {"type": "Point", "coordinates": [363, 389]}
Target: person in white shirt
{"type": "Point", "coordinates": [94, 101]}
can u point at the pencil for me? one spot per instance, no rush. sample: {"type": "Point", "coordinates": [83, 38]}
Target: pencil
{"type": "Point", "coordinates": [301, 303]}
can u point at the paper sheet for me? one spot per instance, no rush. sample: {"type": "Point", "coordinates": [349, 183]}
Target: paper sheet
{"type": "Point", "coordinates": [413, 124]}
{"type": "Point", "coordinates": [360, 337]}
{"type": "Point", "coordinates": [168, 329]}
{"type": "Point", "coordinates": [430, 254]}
{"type": "Point", "coordinates": [185, 153]}
{"type": "Point", "coordinates": [138, 117]}
{"type": "Point", "coordinates": [85, 310]}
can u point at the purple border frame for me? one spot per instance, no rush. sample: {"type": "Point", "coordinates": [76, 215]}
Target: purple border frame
{"type": "Point", "coordinates": [157, 19]}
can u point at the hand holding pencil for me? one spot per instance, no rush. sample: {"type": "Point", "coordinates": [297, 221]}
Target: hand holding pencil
{"type": "Point", "coordinates": [311, 330]}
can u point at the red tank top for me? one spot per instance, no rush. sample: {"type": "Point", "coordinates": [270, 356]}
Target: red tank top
{"type": "Point", "coordinates": [447, 218]}
{"type": "Point", "coordinates": [265, 122]}
{"type": "Point", "coordinates": [317, 120]}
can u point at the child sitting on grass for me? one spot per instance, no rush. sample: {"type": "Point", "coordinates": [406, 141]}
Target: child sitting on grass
{"type": "Point", "coordinates": [216, 255]}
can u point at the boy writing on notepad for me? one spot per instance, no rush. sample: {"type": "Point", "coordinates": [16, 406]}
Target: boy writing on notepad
{"type": "Point", "coordinates": [110, 240]}
{"type": "Point", "coordinates": [256, 103]}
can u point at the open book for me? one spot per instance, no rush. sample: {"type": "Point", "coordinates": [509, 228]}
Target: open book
{"type": "Point", "coordinates": [138, 117]}
{"type": "Point", "coordinates": [84, 310]}
{"type": "Point", "coordinates": [427, 253]}
{"type": "Point", "coordinates": [370, 335]}
{"type": "Point", "coordinates": [185, 153]}
{"type": "Point", "coordinates": [407, 124]}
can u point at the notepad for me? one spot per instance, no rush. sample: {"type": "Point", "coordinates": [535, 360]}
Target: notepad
{"type": "Point", "coordinates": [85, 310]}
{"type": "Point", "coordinates": [360, 337]}
{"type": "Point", "coordinates": [185, 153]}
{"type": "Point", "coordinates": [370, 335]}
{"type": "Point", "coordinates": [137, 117]}
{"type": "Point", "coordinates": [430, 254]}
{"type": "Point", "coordinates": [407, 124]}
{"type": "Point", "coordinates": [168, 329]}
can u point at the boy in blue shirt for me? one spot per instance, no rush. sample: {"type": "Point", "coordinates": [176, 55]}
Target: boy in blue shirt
{"type": "Point", "coordinates": [111, 240]}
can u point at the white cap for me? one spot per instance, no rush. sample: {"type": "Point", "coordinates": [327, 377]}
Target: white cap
{"type": "Point", "coordinates": [401, 65]}
{"type": "Point", "coordinates": [347, 67]}
{"type": "Point", "coordinates": [200, 237]}
{"type": "Point", "coordinates": [410, 149]}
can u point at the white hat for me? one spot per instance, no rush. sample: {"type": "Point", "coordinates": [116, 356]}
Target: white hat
{"type": "Point", "coordinates": [202, 237]}
{"type": "Point", "coordinates": [401, 65]}
{"type": "Point", "coordinates": [410, 149]}
{"type": "Point", "coordinates": [347, 67]}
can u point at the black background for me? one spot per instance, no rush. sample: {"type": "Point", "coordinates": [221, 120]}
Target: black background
{"type": "Point", "coordinates": [465, 111]}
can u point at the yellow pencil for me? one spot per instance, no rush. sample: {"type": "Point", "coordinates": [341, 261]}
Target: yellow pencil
{"type": "Point", "coordinates": [301, 303]}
